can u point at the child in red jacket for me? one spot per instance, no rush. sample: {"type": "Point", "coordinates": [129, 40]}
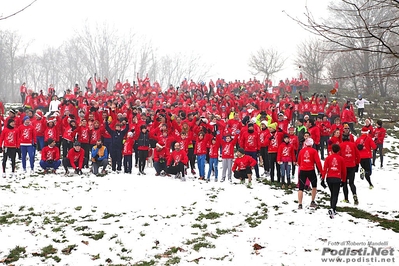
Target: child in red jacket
{"type": "Point", "coordinates": [242, 167]}
{"type": "Point", "coordinates": [214, 147]}
{"type": "Point", "coordinates": [285, 158]}
{"type": "Point", "coordinates": [127, 153]}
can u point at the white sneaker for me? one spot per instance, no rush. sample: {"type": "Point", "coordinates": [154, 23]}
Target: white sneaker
{"type": "Point", "coordinates": [4, 175]}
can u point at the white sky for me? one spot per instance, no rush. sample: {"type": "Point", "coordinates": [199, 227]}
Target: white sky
{"type": "Point", "coordinates": [223, 32]}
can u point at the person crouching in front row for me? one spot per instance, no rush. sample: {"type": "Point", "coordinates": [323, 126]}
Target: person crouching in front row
{"type": "Point", "coordinates": [50, 157]}
{"type": "Point", "coordinates": [75, 159]}
{"type": "Point", "coordinates": [176, 162]}
{"type": "Point", "coordinates": [99, 157]}
{"type": "Point", "coordinates": [242, 167]}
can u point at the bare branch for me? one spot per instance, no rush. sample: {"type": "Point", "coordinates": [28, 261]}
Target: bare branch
{"type": "Point", "coordinates": [6, 17]}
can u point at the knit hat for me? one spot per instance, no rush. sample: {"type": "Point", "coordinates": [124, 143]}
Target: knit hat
{"type": "Point", "coordinates": [159, 146]}
{"type": "Point", "coordinates": [367, 120]}
{"type": "Point", "coordinates": [39, 114]}
{"type": "Point", "coordinates": [309, 142]}
{"type": "Point", "coordinates": [250, 124]}
{"type": "Point", "coordinates": [301, 120]}
{"type": "Point", "coordinates": [241, 150]}
{"type": "Point", "coordinates": [77, 143]}
{"type": "Point", "coordinates": [365, 130]}
{"type": "Point", "coordinates": [379, 122]}
{"type": "Point", "coordinates": [10, 121]}
{"type": "Point", "coordinates": [264, 123]}
{"type": "Point", "coordinates": [49, 141]}
{"type": "Point", "coordinates": [25, 118]}
{"type": "Point", "coordinates": [286, 136]}
{"type": "Point", "coordinates": [273, 125]}
{"type": "Point", "coordinates": [13, 111]}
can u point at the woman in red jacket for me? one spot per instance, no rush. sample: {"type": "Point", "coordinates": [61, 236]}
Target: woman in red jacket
{"type": "Point", "coordinates": [285, 158]}
{"type": "Point", "coordinates": [308, 157]}
{"type": "Point", "coordinates": [335, 172]}
{"type": "Point", "coordinates": [365, 144]}
{"type": "Point", "coordinates": [9, 139]}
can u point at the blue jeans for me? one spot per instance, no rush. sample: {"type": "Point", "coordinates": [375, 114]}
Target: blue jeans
{"type": "Point", "coordinates": [285, 171]}
{"type": "Point", "coordinates": [213, 164]}
{"type": "Point", "coordinates": [53, 165]}
{"type": "Point", "coordinates": [201, 164]}
{"type": "Point", "coordinates": [28, 150]}
{"type": "Point", "coordinates": [40, 141]}
{"type": "Point", "coordinates": [159, 167]}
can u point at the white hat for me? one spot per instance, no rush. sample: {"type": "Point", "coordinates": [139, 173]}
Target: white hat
{"type": "Point", "coordinates": [309, 142]}
{"type": "Point", "coordinates": [159, 146]}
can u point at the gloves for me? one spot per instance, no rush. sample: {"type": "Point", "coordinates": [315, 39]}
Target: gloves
{"type": "Point", "coordinates": [323, 183]}
{"type": "Point", "coordinates": [342, 184]}
{"type": "Point", "coordinates": [357, 168]}
{"type": "Point", "coordinates": [50, 161]}
{"type": "Point", "coordinates": [1, 149]}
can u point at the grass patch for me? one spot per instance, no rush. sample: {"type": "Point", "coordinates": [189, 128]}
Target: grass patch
{"type": "Point", "coordinates": [225, 231]}
{"type": "Point", "coordinates": [15, 254]}
{"type": "Point", "coordinates": [257, 217]}
{"type": "Point", "coordinates": [78, 208]}
{"type": "Point", "coordinates": [209, 216]}
{"type": "Point", "coordinates": [385, 223]}
{"type": "Point", "coordinates": [200, 226]}
{"type": "Point", "coordinates": [5, 218]}
{"type": "Point", "coordinates": [203, 244]}
{"type": "Point", "coordinates": [96, 236]}
{"type": "Point", "coordinates": [172, 261]}
{"type": "Point", "coordinates": [68, 249]}
{"type": "Point", "coordinates": [107, 215]}
{"type": "Point", "coordinates": [145, 263]}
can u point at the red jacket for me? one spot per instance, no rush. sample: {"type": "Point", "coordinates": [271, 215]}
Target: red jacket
{"type": "Point", "coordinates": [334, 167]}
{"type": "Point", "coordinates": [294, 141]}
{"type": "Point", "coordinates": [368, 144]}
{"type": "Point", "coordinates": [176, 157]}
{"type": "Point", "coordinates": [95, 135]}
{"type": "Point", "coordinates": [228, 148]}
{"type": "Point", "coordinates": [286, 152]}
{"type": "Point", "coordinates": [75, 156]}
{"type": "Point", "coordinates": [315, 134]}
{"type": "Point", "coordinates": [264, 136]}
{"type": "Point", "coordinates": [276, 138]}
{"type": "Point", "coordinates": [83, 134]}
{"type": "Point", "coordinates": [39, 125]}
{"type": "Point", "coordinates": [307, 158]}
{"type": "Point", "coordinates": [9, 138]}
{"type": "Point", "coordinates": [51, 132]}
{"type": "Point", "coordinates": [162, 153]}
{"type": "Point", "coordinates": [49, 153]}
{"type": "Point", "coordinates": [250, 141]}
{"type": "Point", "coordinates": [350, 153]}
{"type": "Point", "coordinates": [379, 135]}
{"type": "Point", "coordinates": [201, 145]}
{"type": "Point", "coordinates": [27, 135]}
{"type": "Point", "coordinates": [128, 147]}
{"type": "Point", "coordinates": [241, 163]}
{"type": "Point", "coordinates": [214, 148]}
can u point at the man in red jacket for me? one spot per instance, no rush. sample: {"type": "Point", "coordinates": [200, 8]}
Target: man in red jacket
{"type": "Point", "coordinates": [242, 167]}
{"type": "Point", "coordinates": [27, 142]}
{"type": "Point", "coordinates": [250, 142]}
{"type": "Point", "coordinates": [335, 172]}
{"type": "Point", "coordinates": [75, 159]}
{"type": "Point", "coordinates": [9, 141]}
{"type": "Point", "coordinates": [176, 162]}
{"type": "Point", "coordinates": [308, 157]}
{"type": "Point", "coordinates": [365, 144]}
{"type": "Point", "coordinates": [379, 135]}
{"type": "Point", "coordinates": [50, 157]}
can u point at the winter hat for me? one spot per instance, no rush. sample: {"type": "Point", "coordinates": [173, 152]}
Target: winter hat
{"type": "Point", "coordinates": [25, 118]}
{"type": "Point", "coordinates": [309, 142]}
{"type": "Point", "coordinates": [264, 123]}
{"type": "Point", "coordinates": [273, 125]}
{"type": "Point", "coordinates": [39, 114]}
{"type": "Point", "coordinates": [13, 111]}
{"type": "Point", "coordinates": [130, 134]}
{"type": "Point", "coordinates": [300, 120]}
{"type": "Point", "coordinates": [241, 150]}
{"type": "Point", "coordinates": [367, 120]}
{"type": "Point", "coordinates": [49, 141]}
{"type": "Point", "coordinates": [77, 143]}
{"type": "Point", "coordinates": [51, 120]}
{"type": "Point", "coordinates": [159, 146]}
{"type": "Point", "coordinates": [10, 121]}
{"type": "Point", "coordinates": [286, 136]}
{"type": "Point", "coordinates": [379, 122]}
{"type": "Point", "coordinates": [250, 124]}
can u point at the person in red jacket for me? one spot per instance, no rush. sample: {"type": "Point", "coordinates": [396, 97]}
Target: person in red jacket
{"type": "Point", "coordinates": [335, 173]}
{"type": "Point", "coordinates": [9, 143]}
{"type": "Point", "coordinates": [75, 159]}
{"type": "Point", "coordinates": [275, 140]}
{"type": "Point", "coordinates": [39, 123]}
{"type": "Point", "coordinates": [285, 158]}
{"type": "Point", "coordinates": [325, 131]}
{"type": "Point", "coordinates": [23, 91]}
{"type": "Point", "coordinates": [378, 136]}
{"type": "Point", "coordinates": [201, 151]}
{"type": "Point", "coordinates": [242, 167]}
{"type": "Point", "coordinates": [27, 143]}
{"type": "Point", "coordinates": [264, 141]}
{"type": "Point", "coordinates": [314, 131]}
{"type": "Point", "coordinates": [352, 160]}
{"type": "Point", "coordinates": [127, 153]}
{"type": "Point", "coordinates": [161, 155]}
{"type": "Point", "coordinates": [249, 141]}
{"type": "Point", "coordinates": [83, 136]}
{"type": "Point", "coordinates": [50, 157]}
{"type": "Point", "coordinates": [348, 117]}
{"type": "Point", "coordinates": [176, 162]}
{"type": "Point", "coordinates": [308, 157]}
{"type": "Point", "coordinates": [365, 144]}
{"type": "Point", "coordinates": [227, 156]}
{"type": "Point", "coordinates": [214, 147]}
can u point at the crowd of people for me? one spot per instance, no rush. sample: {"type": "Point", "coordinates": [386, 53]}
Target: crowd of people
{"type": "Point", "coordinates": [245, 125]}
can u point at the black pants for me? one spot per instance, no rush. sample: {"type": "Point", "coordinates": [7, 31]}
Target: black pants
{"type": "Point", "coordinates": [350, 178]}
{"type": "Point", "coordinates": [9, 153]}
{"type": "Point", "coordinates": [66, 163]}
{"type": "Point", "coordinates": [334, 185]}
{"type": "Point", "coordinates": [366, 165]}
{"type": "Point", "coordinates": [173, 170]}
{"type": "Point", "coordinates": [293, 166]}
{"type": "Point", "coordinates": [303, 175]}
{"type": "Point", "coordinates": [273, 164]}
{"type": "Point", "coordinates": [379, 148]}
{"type": "Point", "coordinates": [66, 146]}
{"type": "Point", "coordinates": [127, 163]}
{"type": "Point", "coordinates": [116, 156]}
{"type": "Point", "coordinates": [86, 148]}
{"type": "Point", "coordinates": [254, 155]}
{"type": "Point", "coordinates": [191, 158]}
{"type": "Point", "coordinates": [159, 166]}
{"type": "Point", "coordinates": [323, 145]}
{"type": "Point", "coordinates": [23, 97]}
{"type": "Point", "coordinates": [360, 112]}
{"type": "Point", "coordinates": [242, 174]}
{"type": "Point", "coordinates": [265, 158]}
{"type": "Point", "coordinates": [136, 153]}
{"type": "Point", "coordinates": [143, 154]}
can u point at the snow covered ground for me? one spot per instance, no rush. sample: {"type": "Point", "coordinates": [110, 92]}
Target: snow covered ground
{"type": "Point", "coordinates": [147, 220]}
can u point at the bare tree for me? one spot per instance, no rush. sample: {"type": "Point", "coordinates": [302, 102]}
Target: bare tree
{"type": "Point", "coordinates": [17, 12]}
{"type": "Point", "coordinates": [266, 61]}
{"type": "Point", "coordinates": [311, 56]}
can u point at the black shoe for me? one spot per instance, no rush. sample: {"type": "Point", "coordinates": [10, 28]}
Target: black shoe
{"type": "Point", "coordinates": [300, 207]}
{"type": "Point", "coordinates": [142, 172]}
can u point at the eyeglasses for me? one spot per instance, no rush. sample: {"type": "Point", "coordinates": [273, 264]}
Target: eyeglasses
{"type": "Point", "coordinates": [346, 127]}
